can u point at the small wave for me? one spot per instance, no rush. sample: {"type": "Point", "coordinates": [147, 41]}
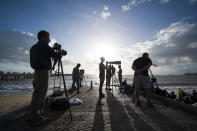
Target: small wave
{"type": "Point", "coordinates": [178, 84]}
{"type": "Point", "coordinates": [5, 88]}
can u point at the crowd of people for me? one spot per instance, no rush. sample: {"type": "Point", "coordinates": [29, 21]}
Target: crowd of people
{"type": "Point", "coordinates": [40, 60]}
{"type": "Point", "coordinates": [187, 97]}
{"type": "Point", "coordinates": [141, 77]}
{"type": "Point", "coordinates": [181, 96]}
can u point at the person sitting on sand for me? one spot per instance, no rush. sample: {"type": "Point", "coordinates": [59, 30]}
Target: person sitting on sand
{"type": "Point", "coordinates": [141, 76]}
{"type": "Point", "coordinates": [194, 96]}
{"type": "Point", "coordinates": [126, 86]}
{"type": "Point", "coordinates": [40, 60]}
{"type": "Point", "coordinates": [180, 94]}
{"type": "Point", "coordinates": [187, 99]}
{"type": "Point", "coordinates": [172, 95]}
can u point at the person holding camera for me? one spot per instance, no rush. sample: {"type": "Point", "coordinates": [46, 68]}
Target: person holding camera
{"type": "Point", "coordinates": [76, 77]}
{"type": "Point", "coordinates": [141, 76]}
{"type": "Point", "coordinates": [40, 60]}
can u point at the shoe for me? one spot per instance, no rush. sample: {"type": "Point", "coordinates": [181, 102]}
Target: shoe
{"type": "Point", "coordinates": [42, 121]}
{"type": "Point", "coordinates": [150, 105]}
{"type": "Point", "coordinates": [102, 95]}
{"type": "Point", "coordinates": [138, 104]}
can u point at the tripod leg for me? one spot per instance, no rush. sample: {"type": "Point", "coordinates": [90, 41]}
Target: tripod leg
{"type": "Point", "coordinates": [65, 91]}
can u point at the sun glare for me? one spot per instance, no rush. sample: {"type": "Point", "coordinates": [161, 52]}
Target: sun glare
{"type": "Point", "coordinates": [106, 50]}
{"type": "Point", "coordinates": [105, 46]}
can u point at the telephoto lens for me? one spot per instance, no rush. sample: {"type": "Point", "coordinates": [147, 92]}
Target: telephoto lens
{"type": "Point", "coordinates": [64, 52]}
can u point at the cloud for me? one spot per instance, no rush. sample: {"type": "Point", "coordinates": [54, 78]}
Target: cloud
{"type": "Point", "coordinates": [174, 48]}
{"type": "Point", "coordinates": [15, 46]}
{"type": "Point", "coordinates": [133, 3]}
{"type": "Point", "coordinates": [105, 14]}
{"type": "Point", "coordinates": [192, 1]}
{"type": "Point", "coordinates": [192, 45]}
{"type": "Point", "coordinates": [52, 42]}
{"type": "Point", "coordinates": [164, 1]}
{"type": "Point", "coordinates": [95, 12]}
{"type": "Point", "coordinates": [106, 7]}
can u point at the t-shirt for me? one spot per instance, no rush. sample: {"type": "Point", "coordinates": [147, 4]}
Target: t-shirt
{"type": "Point", "coordinates": [113, 70]}
{"type": "Point", "coordinates": [76, 74]}
{"type": "Point", "coordinates": [101, 70]}
{"type": "Point", "coordinates": [40, 56]}
{"type": "Point", "coordinates": [140, 63]}
{"type": "Point", "coordinates": [108, 73]}
{"type": "Point", "coordinates": [120, 72]}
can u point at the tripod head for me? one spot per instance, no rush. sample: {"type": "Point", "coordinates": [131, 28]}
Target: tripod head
{"type": "Point", "coordinates": [58, 48]}
{"type": "Point", "coordinates": [114, 62]}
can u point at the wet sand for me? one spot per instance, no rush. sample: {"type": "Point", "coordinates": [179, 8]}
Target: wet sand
{"type": "Point", "coordinates": [9, 103]}
{"type": "Point", "coordinates": [115, 112]}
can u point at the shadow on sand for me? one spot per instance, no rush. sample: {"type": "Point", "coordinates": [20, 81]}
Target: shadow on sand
{"type": "Point", "coordinates": [98, 124]}
{"type": "Point", "coordinates": [16, 120]}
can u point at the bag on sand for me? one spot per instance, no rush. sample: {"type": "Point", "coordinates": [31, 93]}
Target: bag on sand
{"type": "Point", "coordinates": [58, 102]}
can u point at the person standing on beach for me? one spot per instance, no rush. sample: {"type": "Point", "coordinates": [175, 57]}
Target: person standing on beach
{"type": "Point", "coordinates": [40, 60]}
{"type": "Point", "coordinates": [101, 76]}
{"type": "Point", "coordinates": [141, 76]}
{"type": "Point", "coordinates": [108, 76]}
{"type": "Point", "coordinates": [120, 75]}
{"type": "Point", "coordinates": [76, 77]}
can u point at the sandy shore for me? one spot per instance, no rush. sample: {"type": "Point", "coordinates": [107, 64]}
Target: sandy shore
{"type": "Point", "coordinates": [8, 103]}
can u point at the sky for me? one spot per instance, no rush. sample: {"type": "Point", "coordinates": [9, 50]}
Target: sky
{"type": "Point", "coordinates": [88, 29]}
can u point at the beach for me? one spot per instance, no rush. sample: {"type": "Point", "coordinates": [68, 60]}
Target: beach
{"type": "Point", "coordinates": [9, 103]}
{"type": "Point", "coordinates": [14, 94]}
{"type": "Point", "coordinates": [115, 112]}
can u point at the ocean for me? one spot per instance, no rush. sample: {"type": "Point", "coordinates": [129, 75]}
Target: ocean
{"type": "Point", "coordinates": [168, 82]}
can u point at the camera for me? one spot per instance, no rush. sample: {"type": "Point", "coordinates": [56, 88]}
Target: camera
{"type": "Point", "coordinates": [113, 62]}
{"type": "Point", "coordinates": [82, 71]}
{"type": "Point", "coordinates": [58, 47]}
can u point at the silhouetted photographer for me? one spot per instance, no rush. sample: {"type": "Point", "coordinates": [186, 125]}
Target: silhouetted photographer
{"type": "Point", "coordinates": [76, 77]}
{"type": "Point", "coordinates": [40, 60]}
{"type": "Point", "coordinates": [102, 68]}
{"type": "Point", "coordinates": [141, 76]}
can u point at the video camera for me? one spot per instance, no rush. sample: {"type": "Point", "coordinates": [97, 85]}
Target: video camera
{"type": "Point", "coordinates": [82, 71]}
{"type": "Point", "coordinates": [114, 62]}
{"type": "Point", "coordinates": [58, 47]}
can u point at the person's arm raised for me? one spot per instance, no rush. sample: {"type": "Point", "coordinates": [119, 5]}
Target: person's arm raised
{"type": "Point", "coordinates": [146, 67]}
{"type": "Point", "coordinates": [135, 69]}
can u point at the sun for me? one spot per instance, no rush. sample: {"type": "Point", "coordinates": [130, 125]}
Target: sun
{"type": "Point", "coordinates": [105, 49]}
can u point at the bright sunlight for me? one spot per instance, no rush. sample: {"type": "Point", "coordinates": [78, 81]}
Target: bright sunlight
{"type": "Point", "coordinates": [105, 49]}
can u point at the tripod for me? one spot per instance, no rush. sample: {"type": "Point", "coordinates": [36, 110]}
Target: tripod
{"type": "Point", "coordinates": [59, 63]}
{"type": "Point", "coordinates": [155, 81]}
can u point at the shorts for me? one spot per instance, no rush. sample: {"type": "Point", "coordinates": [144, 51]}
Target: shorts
{"type": "Point", "coordinates": [141, 81]}
{"type": "Point", "coordinates": [120, 79]}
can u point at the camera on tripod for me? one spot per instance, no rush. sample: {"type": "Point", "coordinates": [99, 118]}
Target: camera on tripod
{"type": "Point", "coordinates": [58, 47]}
{"type": "Point", "coordinates": [114, 62]}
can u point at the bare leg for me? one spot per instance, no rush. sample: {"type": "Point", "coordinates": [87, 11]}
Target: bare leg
{"type": "Point", "coordinates": [147, 93]}
{"type": "Point", "coordinates": [137, 95]}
